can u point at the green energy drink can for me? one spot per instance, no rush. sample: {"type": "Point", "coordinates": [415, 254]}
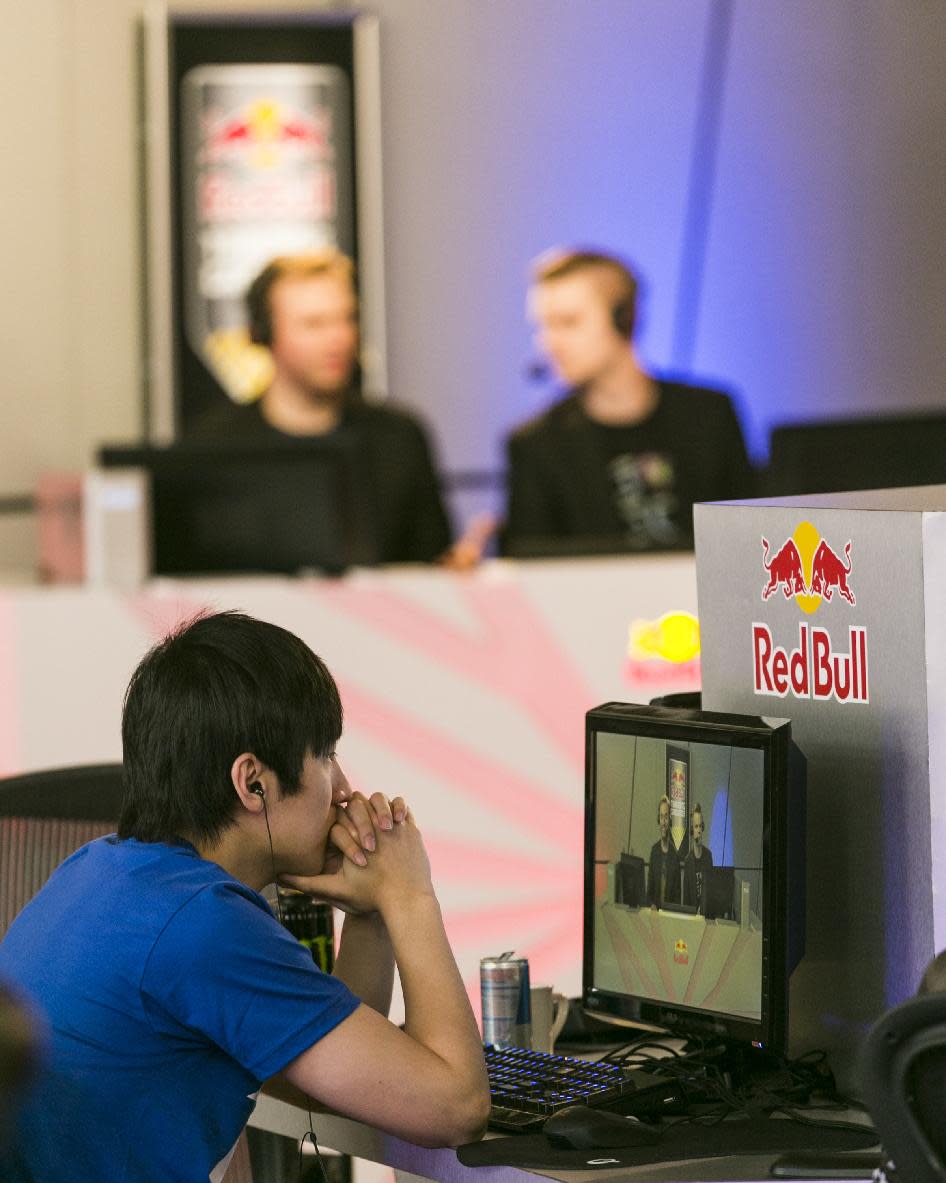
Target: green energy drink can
{"type": "Point", "coordinates": [504, 993]}
{"type": "Point", "coordinates": [312, 924]}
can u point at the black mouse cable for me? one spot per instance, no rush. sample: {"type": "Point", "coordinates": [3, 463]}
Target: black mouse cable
{"type": "Point", "coordinates": [620, 1055]}
{"type": "Point", "coordinates": [760, 1097]}
{"type": "Point", "coordinates": [701, 1055]}
{"type": "Point", "coordinates": [709, 1086]}
{"type": "Point", "coordinates": [814, 1070]}
{"type": "Point", "coordinates": [645, 1059]}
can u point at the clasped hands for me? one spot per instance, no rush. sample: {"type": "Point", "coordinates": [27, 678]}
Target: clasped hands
{"type": "Point", "coordinates": [357, 823]}
{"type": "Point", "coordinates": [368, 849]}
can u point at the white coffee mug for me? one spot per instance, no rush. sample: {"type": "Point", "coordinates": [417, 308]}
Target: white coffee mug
{"type": "Point", "coordinates": [549, 1012]}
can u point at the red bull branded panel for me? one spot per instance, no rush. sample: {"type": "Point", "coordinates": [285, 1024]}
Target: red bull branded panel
{"type": "Point", "coordinates": [267, 115]}
{"type": "Point", "coordinates": [266, 171]}
{"type": "Point", "coordinates": [828, 610]}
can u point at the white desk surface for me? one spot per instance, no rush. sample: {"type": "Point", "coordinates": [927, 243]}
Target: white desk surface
{"type": "Point", "coordinates": [361, 1141]}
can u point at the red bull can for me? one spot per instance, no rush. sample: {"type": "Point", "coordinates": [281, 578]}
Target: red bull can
{"type": "Point", "coordinates": [504, 993]}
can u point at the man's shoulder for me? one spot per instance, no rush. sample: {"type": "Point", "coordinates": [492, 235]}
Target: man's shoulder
{"type": "Point", "coordinates": [227, 419]}
{"type": "Point", "coordinates": [688, 397]}
{"type": "Point", "coordinates": [564, 414]}
{"type": "Point", "coordinates": [171, 871]}
{"type": "Point", "coordinates": [386, 417]}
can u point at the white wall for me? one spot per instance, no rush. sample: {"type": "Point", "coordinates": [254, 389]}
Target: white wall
{"type": "Point", "coordinates": [825, 287]}
{"type": "Point", "coordinates": [510, 125]}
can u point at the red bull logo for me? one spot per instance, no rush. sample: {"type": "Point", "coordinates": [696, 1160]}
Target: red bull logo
{"type": "Point", "coordinates": [265, 126]}
{"type": "Point", "coordinates": [809, 570]}
{"type": "Point", "coordinates": [681, 954]}
{"type": "Point", "coordinates": [266, 160]}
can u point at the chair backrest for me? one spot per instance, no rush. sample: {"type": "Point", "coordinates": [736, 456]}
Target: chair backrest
{"type": "Point", "coordinates": [904, 1081]}
{"type": "Point", "coordinates": [44, 817]}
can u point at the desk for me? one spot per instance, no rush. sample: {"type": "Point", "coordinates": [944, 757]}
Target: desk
{"type": "Point", "coordinates": [466, 693]}
{"type": "Point", "coordinates": [679, 958]}
{"type": "Point", "coordinates": [364, 1142]}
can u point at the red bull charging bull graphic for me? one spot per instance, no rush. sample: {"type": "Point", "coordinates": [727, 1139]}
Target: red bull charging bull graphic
{"type": "Point", "coordinates": [266, 170]}
{"type": "Point", "coordinates": [807, 568]}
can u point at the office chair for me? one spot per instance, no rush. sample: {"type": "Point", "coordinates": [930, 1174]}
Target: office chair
{"type": "Point", "coordinates": [904, 1081]}
{"type": "Point", "coordinates": [44, 817]}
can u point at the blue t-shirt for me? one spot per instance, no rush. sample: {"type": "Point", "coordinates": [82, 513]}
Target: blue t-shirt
{"type": "Point", "coordinates": [172, 993]}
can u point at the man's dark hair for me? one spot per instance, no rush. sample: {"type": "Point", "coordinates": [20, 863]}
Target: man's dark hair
{"type": "Point", "coordinates": [219, 685]}
{"type": "Point", "coordinates": [617, 280]}
{"type": "Point", "coordinates": [310, 265]}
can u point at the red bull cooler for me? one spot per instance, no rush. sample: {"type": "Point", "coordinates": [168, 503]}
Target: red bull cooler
{"type": "Point", "coordinates": [504, 993]}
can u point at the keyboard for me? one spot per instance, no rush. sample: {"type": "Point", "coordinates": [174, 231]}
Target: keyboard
{"type": "Point", "coordinates": [526, 1086]}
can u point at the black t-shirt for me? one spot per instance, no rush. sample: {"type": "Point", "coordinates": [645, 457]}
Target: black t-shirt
{"type": "Point", "coordinates": [574, 481]}
{"type": "Point", "coordinates": [694, 878]}
{"type": "Point", "coordinates": [394, 485]}
{"type": "Point", "coordinates": [664, 885]}
{"type": "Point", "coordinates": [643, 482]}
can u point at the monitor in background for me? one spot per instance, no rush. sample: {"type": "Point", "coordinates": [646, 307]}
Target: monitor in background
{"type": "Point", "coordinates": [714, 958]}
{"type": "Point", "coordinates": [720, 894]}
{"type": "Point", "coordinates": [878, 452]}
{"type": "Point", "coordinates": [227, 507]}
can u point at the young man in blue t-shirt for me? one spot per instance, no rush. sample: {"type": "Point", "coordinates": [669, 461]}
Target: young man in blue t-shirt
{"type": "Point", "coordinates": [170, 989]}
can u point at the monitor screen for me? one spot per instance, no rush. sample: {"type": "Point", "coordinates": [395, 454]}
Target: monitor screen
{"type": "Point", "coordinates": [694, 888]}
{"type": "Point", "coordinates": [228, 507]}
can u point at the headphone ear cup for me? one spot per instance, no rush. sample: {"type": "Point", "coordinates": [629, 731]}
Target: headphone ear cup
{"type": "Point", "coordinates": [260, 329]}
{"type": "Point", "coordinates": [259, 321]}
{"type": "Point", "coordinates": [622, 314]}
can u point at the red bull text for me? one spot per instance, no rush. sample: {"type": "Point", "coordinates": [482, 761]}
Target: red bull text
{"type": "Point", "coordinates": [809, 570]}
{"type": "Point", "coordinates": [814, 669]}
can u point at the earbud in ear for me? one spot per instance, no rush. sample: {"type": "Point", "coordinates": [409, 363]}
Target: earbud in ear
{"type": "Point", "coordinates": [258, 789]}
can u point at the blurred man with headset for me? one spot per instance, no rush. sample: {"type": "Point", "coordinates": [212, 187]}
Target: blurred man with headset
{"type": "Point", "coordinates": [618, 463]}
{"type": "Point", "coordinates": [304, 310]}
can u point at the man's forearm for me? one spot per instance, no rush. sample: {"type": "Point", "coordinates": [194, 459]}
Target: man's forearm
{"type": "Point", "coordinates": [437, 1010]}
{"type": "Point", "coordinates": [365, 961]}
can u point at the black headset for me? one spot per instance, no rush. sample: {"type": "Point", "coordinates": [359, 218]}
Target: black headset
{"type": "Point", "coordinates": [259, 317]}
{"type": "Point", "coordinates": [622, 316]}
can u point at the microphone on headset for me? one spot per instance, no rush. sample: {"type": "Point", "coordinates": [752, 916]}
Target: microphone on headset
{"type": "Point", "coordinates": [537, 370]}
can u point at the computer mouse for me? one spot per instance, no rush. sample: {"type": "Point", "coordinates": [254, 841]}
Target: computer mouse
{"type": "Point", "coordinates": [583, 1128]}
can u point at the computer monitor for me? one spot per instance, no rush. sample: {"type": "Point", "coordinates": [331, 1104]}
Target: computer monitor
{"type": "Point", "coordinates": [714, 805]}
{"type": "Point", "coordinates": [876, 452]}
{"type": "Point", "coordinates": [229, 507]}
{"type": "Point", "coordinates": [630, 883]}
{"type": "Point", "coordinates": [720, 894]}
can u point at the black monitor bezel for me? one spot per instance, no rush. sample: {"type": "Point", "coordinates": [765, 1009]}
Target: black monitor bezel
{"type": "Point", "coordinates": [175, 468]}
{"type": "Point", "coordinates": [773, 738]}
